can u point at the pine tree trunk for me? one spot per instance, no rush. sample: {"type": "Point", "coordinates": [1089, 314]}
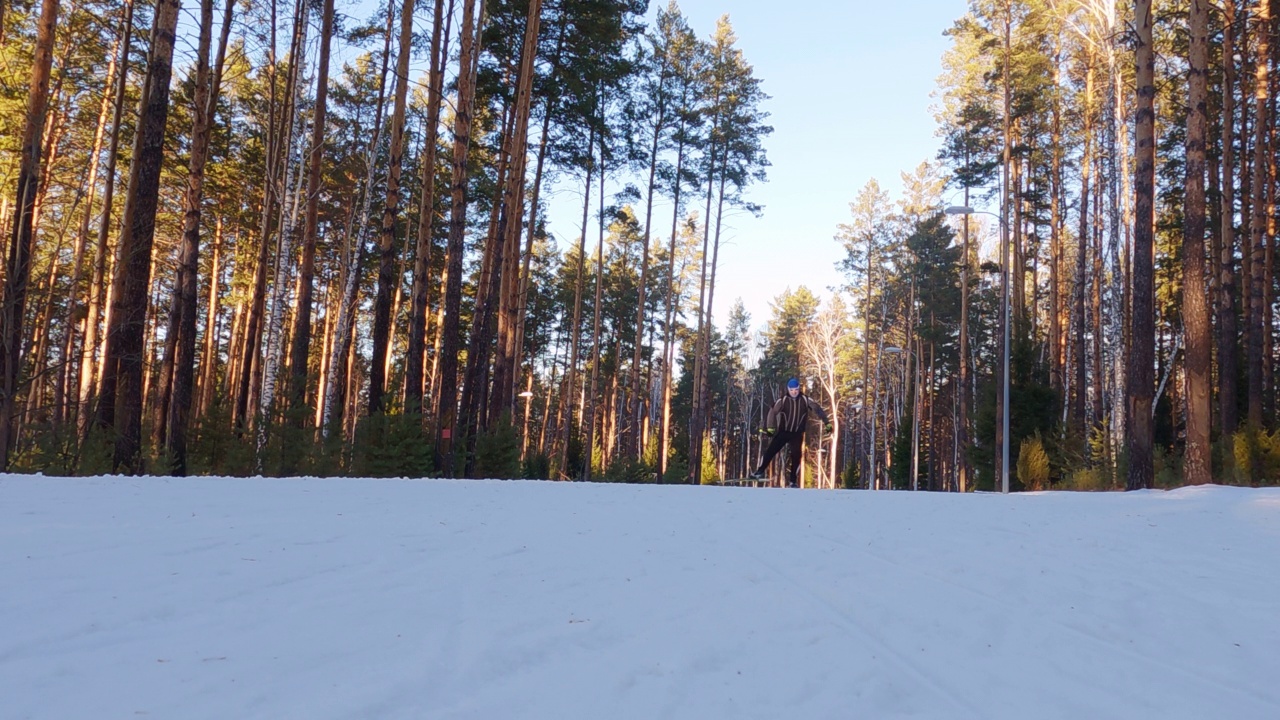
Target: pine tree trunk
{"type": "Point", "coordinates": [387, 280]}
{"type": "Point", "coordinates": [1097, 278]}
{"type": "Point", "coordinates": [414, 382]}
{"type": "Point", "coordinates": [510, 307]}
{"type": "Point", "coordinates": [69, 377]}
{"type": "Point", "coordinates": [1195, 310]}
{"type": "Point", "coordinates": [1056, 221]}
{"type": "Point", "coordinates": [695, 421]}
{"type": "Point", "coordinates": [589, 446]}
{"type": "Point", "coordinates": [471, 418]}
{"type": "Point", "coordinates": [121, 392]}
{"type": "Point", "coordinates": [1141, 320]}
{"type": "Point", "coordinates": [446, 410]}
{"type": "Point", "coordinates": [300, 349]}
{"type": "Point", "coordinates": [1258, 243]}
{"type": "Point", "coordinates": [1080, 389]}
{"type": "Point", "coordinates": [22, 235]}
{"type": "Point", "coordinates": [530, 232]}
{"type": "Point", "coordinates": [212, 327]}
{"type": "Point", "coordinates": [571, 373]}
{"type": "Point", "coordinates": [702, 389]}
{"type": "Point", "coordinates": [634, 441]}
{"type": "Point", "coordinates": [180, 354]}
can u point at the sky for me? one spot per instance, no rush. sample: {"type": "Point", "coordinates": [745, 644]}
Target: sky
{"type": "Point", "coordinates": [851, 85]}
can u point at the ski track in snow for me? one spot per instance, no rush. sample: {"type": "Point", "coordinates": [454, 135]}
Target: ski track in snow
{"type": "Point", "coordinates": [318, 599]}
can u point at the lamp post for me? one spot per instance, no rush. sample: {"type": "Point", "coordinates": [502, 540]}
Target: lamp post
{"type": "Point", "coordinates": [1004, 308]}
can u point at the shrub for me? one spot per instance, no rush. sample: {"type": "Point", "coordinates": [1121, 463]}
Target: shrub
{"type": "Point", "coordinates": [1033, 464]}
{"type": "Point", "coordinates": [850, 479]}
{"type": "Point", "coordinates": [1257, 456]}
{"type": "Point", "coordinates": [710, 472]}
{"type": "Point", "coordinates": [1086, 480]}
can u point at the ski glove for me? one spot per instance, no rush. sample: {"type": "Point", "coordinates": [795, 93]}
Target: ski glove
{"type": "Point", "coordinates": [768, 431]}
{"type": "Point", "coordinates": [827, 427]}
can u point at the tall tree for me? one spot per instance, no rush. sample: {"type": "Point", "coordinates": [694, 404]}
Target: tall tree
{"type": "Point", "coordinates": [300, 349]}
{"type": "Point", "coordinates": [446, 410]}
{"type": "Point", "coordinates": [22, 235]}
{"type": "Point", "coordinates": [1257, 296]}
{"type": "Point", "coordinates": [510, 225]}
{"type": "Point", "coordinates": [1228, 329]}
{"type": "Point", "coordinates": [387, 280]}
{"type": "Point", "coordinates": [121, 393]}
{"type": "Point", "coordinates": [414, 378]}
{"type": "Point", "coordinates": [736, 158]}
{"type": "Point", "coordinates": [1195, 309]}
{"type": "Point", "coordinates": [182, 316]}
{"type": "Point", "coordinates": [97, 284]}
{"type": "Point", "coordinates": [1141, 321]}
{"type": "Point", "coordinates": [656, 104]}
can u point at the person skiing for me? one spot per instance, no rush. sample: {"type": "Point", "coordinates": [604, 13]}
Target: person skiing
{"type": "Point", "coordinates": [786, 425]}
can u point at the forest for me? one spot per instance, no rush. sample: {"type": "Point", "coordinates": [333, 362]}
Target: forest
{"type": "Point", "coordinates": [260, 237]}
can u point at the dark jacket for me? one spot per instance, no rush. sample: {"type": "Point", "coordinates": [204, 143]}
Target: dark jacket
{"type": "Point", "coordinates": [791, 413]}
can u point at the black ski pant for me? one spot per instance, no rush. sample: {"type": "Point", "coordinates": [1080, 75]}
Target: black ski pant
{"type": "Point", "coordinates": [794, 438]}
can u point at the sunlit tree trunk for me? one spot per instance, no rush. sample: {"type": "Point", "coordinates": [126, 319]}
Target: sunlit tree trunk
{"type": "Point", "coordinates": [505, 365]}
{"type": "Point", "coordinates": [634, 442]}
{"type": "Point", "coordinates": [589, 445]}
{"type": "Point", "coordinates": [414, 382]}
{"type": "Point", "coordinates": [1195, 310]}
{"type": "Point", "coordinates": [446, 410]}
{"type": "Point", "coordinates": [212, 329]}
{"type": "Point", "coordinates": [668, 345]}
{"type": "Point", "coordinates": [69, 377]}
{"type": "Point", "coordinates": [300, 349]}
{"type": "Point", "coordinates": [22, 234]}
{"type": "Point", "coordinates": [1257, 250]}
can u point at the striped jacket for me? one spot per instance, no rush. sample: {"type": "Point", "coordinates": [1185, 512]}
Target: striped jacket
{"type": "Point", "coordinates": [791, 413]}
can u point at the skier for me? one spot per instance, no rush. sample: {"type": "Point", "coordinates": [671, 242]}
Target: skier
{"type": "Point", "coordinates": [786, 425]}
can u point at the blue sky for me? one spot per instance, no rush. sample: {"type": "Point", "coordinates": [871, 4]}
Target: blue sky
{"type": "Point", "coordinates": [851, 86]}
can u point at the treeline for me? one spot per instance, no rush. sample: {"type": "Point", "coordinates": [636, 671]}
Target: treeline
{"type": "Point", "coordinates": [307, 242]}
{"type": "Point", "coordinates": [1127, 153]}
{"type": "Point", "coordinates": [276, 238]}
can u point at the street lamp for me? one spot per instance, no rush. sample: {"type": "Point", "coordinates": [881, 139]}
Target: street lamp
{"type": "Point", "coordinates": [1004, 303]}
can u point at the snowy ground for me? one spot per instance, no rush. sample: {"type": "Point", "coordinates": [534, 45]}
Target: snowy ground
{"type": "Point", "coordinates": [315, 599]}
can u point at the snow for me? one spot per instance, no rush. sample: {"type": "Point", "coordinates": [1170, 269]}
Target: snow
{"type": "Point", "coordinates": [314, 599]}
